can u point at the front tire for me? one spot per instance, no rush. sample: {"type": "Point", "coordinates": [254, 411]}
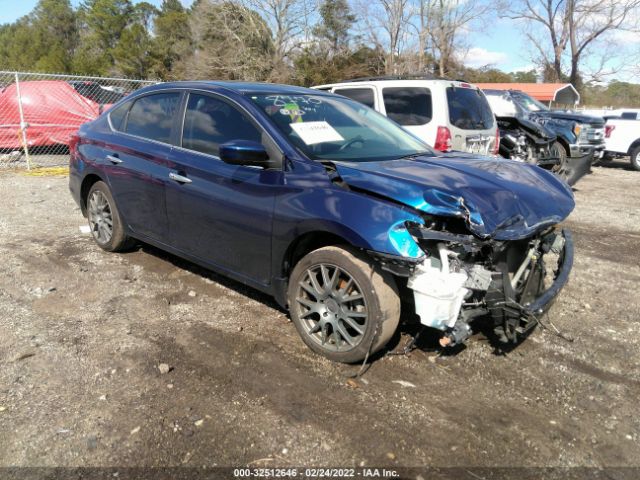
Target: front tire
{"type": "Point", "coordinates": [343, 305]}
{"type": "Point", "coordinates": [560, 169]}
{"type": "Point", "coordinates": [104, 219]}
{"type": "Point", "coordinates": [635, 158]}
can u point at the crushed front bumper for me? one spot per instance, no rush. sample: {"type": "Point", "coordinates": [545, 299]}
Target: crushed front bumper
{"type": "Point", "coordinates": [582, 149]}
{"type": "Point", "coordinates": [546, 299]}
{"type": "Point", "coordinates": [514, 314]}
{"type": "Point", "coordinates": [463, 278]}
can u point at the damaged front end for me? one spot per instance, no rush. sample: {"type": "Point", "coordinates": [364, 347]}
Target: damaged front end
{"type": "Point", "coordinates": [463, 277]}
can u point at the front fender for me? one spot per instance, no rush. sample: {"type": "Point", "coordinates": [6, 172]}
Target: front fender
{"type": "Point", "coordinates": [362, 220]}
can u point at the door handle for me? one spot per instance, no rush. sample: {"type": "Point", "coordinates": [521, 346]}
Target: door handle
{"type": "Point", "coordinates": [113, 159]}
{"type": "Point", "coordinates": [179, 178]}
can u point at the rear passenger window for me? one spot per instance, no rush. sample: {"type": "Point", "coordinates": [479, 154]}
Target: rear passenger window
{"type": "Point", "coordinates": [117, 116]}
{"type": "Point", "coordinates": [362, 95]}
{"type": "Point", "coordinates": [208, 122]}
{"type": "Point", "coordinates": [408, 106]}
{"type": "Point", "coordinates": [152, 116]}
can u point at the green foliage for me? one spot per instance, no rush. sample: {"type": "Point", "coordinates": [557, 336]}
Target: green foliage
{"type": "Point", "coordinates": [172, 38]}
{"type": "Point", "coordinates": [336, 20]}
{"type": "Point", "coordinates": [617, 94]}
{"type": "Point", "coordinates": [44, 40]}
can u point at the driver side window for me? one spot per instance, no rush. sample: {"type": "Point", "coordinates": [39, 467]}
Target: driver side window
{"type": "Point", "coordinates": [209, 122]}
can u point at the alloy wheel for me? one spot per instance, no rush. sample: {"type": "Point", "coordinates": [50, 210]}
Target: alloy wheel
{"type": "Point", "coordinates": [332, 307]}
{"type": "Point", "coordinates": [100, 217]}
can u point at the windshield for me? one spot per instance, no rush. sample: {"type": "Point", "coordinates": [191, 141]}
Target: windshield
{"type": "Point", "coordinates": [529, 103]}
{"type": "Point", "coordinates": [336, 128]}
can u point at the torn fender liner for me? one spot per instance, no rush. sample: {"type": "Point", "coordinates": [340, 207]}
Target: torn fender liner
{"type": "Point", "coordinates": [576, 168]}
{"type": "Point", "coordinates": [502, 199]}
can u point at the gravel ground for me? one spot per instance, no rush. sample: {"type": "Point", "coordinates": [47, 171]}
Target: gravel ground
{"type": "Point", "coordinates": [83, 332]}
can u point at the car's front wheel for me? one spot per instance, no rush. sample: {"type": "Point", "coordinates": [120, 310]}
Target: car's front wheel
{"type": "Point", "coordinates": [635, 158]}
{"type": "Point", "coordinates": [104, 219]}
{"type": "Point", "coordinates": [342, 304]}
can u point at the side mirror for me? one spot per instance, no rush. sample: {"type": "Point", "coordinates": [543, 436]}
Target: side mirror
{"type": "Point", "coordinates": [245, 152]}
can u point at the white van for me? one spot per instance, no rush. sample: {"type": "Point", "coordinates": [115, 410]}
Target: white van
{"type": "Point", "coordinates": [447, 114]}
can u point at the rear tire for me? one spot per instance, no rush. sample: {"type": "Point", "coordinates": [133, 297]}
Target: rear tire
{"type": "Point", "coordinates": [635, 158]}
{"type": "Point", "coordinates": [104, 219]}
{"type": "Point", "coordinates": [343, 305]}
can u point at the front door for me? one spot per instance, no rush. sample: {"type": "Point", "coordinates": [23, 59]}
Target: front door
{"type": "Point", "coordinates": [220, 213]}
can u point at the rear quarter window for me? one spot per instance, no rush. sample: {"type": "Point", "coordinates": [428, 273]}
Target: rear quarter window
{"type": "Point", "coordinates": [362, 95]}
{"type": "Point", "coordinates": [469, 109]}
{"type": "Point", "coordinates": [408, 106]}
{"type": "Point", "coordinates": [117, 116]}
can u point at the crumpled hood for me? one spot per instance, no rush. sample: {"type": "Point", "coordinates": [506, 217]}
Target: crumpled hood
{"type": "Point", "coordinates": [569, 116]}
{"type": "Point", "coordinates": [502, 199]}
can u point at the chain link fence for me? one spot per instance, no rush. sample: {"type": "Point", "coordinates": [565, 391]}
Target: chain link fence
{"type": "Point", "coordinates": [40, 112]}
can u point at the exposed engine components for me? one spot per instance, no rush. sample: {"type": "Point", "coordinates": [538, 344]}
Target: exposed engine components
{"type": "Point", "coordinates": [438, 292]}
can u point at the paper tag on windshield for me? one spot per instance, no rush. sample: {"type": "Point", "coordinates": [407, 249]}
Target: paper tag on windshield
{"type": "Point", "coordinates": [316, 132]}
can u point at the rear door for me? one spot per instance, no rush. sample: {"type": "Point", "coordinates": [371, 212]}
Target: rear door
{"type": "Point", "coordinates": [471, 121]}
{"type": "Point", "coordinates": [136, 162]}
{"type": "Point", "coordinates": [221, 213]}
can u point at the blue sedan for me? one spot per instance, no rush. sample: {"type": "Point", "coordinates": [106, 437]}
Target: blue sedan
{"type": "Point", "coordinates": [330, 207]}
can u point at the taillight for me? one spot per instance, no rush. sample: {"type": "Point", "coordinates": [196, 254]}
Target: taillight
{"type": "Point", "coordinates": [608, 129]}
{"type": "Point", "coordinates": [496, 146]}
{"type": "Point", "coordinates": [73, 144]}
{"type": "Point", "coordinates": [443, 140]}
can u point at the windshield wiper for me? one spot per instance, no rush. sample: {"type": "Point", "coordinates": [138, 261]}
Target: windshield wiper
{"type": "Point", "coordinates": [411, 156]}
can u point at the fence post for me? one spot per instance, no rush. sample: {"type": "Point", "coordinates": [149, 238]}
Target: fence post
{"type": "Point", "coordinates": [23, 124]}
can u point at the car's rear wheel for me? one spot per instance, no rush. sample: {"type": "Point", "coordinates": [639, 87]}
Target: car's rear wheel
{"type": "Point", "coordinates": [104, 220]}
{"type": "Point", "coordinates": [342, 304]}
{"type": "Point", "coordinates": [635, 158]}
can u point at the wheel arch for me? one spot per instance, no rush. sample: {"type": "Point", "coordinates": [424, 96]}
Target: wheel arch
{"type": "Point", "coordinates": [87, 182]}
{"type": "Point", "coordinates": [307, 243]}
{"type": "Point", "coordinates": [633, 146]}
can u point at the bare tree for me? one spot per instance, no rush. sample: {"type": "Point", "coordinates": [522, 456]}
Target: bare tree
{"type": "Point", "coordinates": [230, 41]}
{"type": "Point", "coordinates": [387, 24]}
{"type": "Point", "coordinates": [289, 24]}
{"type": "Point", "coordinates": [569, 30]}
{"type": "Point", "coordinates": [442, 23]}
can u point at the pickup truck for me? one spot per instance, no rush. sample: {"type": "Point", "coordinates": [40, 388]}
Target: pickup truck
{"type": "Point", "coordinates": [578, 135]}
{"type": "Point", "coordinates": [622, 137]}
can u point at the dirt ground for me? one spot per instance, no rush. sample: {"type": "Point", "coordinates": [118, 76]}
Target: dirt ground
{"type": "Point", "coordinates": [82, 333]}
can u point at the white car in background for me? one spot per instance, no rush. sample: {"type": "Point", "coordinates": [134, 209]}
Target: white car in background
{"type": "Point", "coordinates": [622, 137]}
{"type": "Point", "coordinates": [447, 114]}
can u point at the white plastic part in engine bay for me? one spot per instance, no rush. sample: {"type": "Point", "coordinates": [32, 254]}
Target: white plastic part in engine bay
{"type": "Point", "coordinates": [438, 292]}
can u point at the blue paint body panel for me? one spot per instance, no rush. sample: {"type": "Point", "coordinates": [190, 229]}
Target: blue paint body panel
{"type": "Point", "coordinates": [503, 199]}
{"type": "Point", "coordinates": [244, 221]}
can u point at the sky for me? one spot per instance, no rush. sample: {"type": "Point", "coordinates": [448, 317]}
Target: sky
{"type": "Point", "coordinates": [503, 46]}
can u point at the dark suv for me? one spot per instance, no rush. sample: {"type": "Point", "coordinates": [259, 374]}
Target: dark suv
{"type": "Point", "coordinates": [327, 205]}
{"type": "Point", "coordinates": [578, 134]}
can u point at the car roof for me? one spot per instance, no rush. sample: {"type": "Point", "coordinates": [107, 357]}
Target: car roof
{"type": "Point", "coordinates": [393, 82]}
{"type": "Point", "coordinates": [240, 87]}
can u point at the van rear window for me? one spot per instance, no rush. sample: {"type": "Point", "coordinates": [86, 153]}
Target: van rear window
{"type": "Point", "coordinates": [408, 106]}
{"type": "Point", "coordinates": [469, 109]}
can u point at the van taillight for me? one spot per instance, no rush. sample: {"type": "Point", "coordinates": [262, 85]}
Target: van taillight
{"type": "Point", "coordinates": [496, 147]}
{"type": "Point", "coordinates": [443, 140]}
{"type": "Point", "coordinates": [608, 129]}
